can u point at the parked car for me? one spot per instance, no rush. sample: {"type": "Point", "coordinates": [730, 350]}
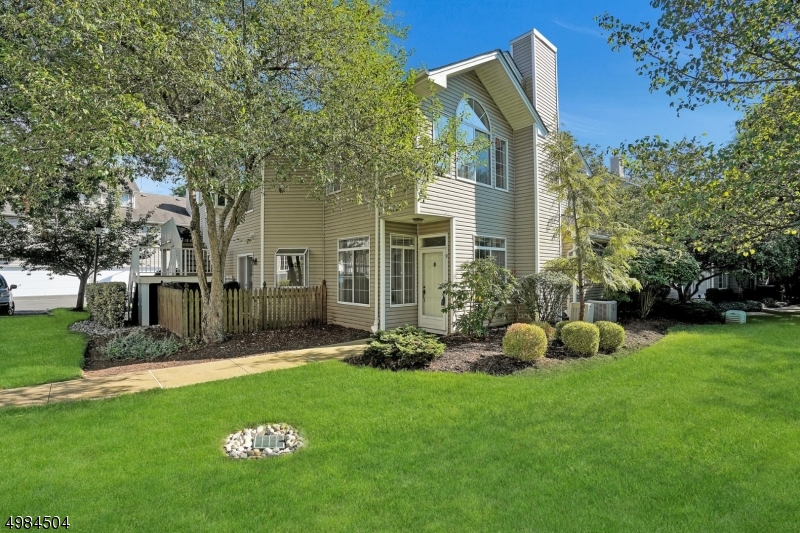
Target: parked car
{"type": "Point", "coordinates": [6, 297]}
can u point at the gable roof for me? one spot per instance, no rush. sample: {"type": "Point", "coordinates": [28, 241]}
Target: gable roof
{"type": "Point", "coordinates": [500, 77]}
{"type": "Point", "coordinates": [163, 208]}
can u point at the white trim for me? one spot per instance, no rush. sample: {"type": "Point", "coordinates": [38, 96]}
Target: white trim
{"type": "Point", "coordinates": [504, 249]}
{"type": "Point", "coordinates": [241, 285]}
{"type": "Point", "coordinates": [306, 264]}
{"type": "Point", "coordinates": [505, 164]}
{"type": "Point", "coordinates": [538, 214]}
{"type": "Point", "coordinates": [382, 277]}
{"type": "Point", "coordinates": [545, 41]}
{"type": "Point", "coordinates": [449, 323]}
{"type": "Point", "coordinates": [415, 249]}
{"type": "Point", "coordinates": [263, 198]}
{"type": "Point", "coordinates": [420, 273]}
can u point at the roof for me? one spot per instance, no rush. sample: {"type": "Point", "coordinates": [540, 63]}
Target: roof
{"type": "Point", "coordinates": [163, 208]}
{"type": "Point", "coordinates": [501, 78]}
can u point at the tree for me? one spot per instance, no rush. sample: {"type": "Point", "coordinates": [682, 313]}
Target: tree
{"type": "Point", "coordinates": [61, 239]}
{"type": "Point", "coordinates": [591, 196]}
{"type": "Point", "coordinates": [216, 91]}
{"type": "Point", "coordinates": [656, 267]}
{"type": "Point", "coordinates": [745, 53]}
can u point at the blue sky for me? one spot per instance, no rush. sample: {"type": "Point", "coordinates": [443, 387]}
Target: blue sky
{"type": "Point", "coordinates": [602, 99]}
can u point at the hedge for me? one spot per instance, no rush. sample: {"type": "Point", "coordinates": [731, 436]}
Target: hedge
{"type": "Point", "coordinates": [581, 337]}
{"type": "Point", "coordinates": [612, 336]}
{"type": "Point", "coordinates": [525, 341]}
{"type": "Point", "coordinates": [106, 303]}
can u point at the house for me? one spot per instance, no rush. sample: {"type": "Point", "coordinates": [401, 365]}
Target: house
{"type": "Point", "coordinates": [384, 270]}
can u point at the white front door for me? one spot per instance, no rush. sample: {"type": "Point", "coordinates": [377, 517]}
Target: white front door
{"type": "Point", "coordinates": [432, 297]}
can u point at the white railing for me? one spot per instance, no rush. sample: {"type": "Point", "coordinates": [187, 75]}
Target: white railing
{"type": "Point", "coordinates": [154, 261]}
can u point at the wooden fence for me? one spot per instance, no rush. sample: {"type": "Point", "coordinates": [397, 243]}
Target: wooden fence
{"type": "Point", "coordinates": [180, 310]}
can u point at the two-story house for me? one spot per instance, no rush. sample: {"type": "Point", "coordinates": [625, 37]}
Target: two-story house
{"type": "Point", "coordinates": [384, 271]}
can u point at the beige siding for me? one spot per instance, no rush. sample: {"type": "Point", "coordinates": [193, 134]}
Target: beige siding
{"type": "Point", "coordinates": [246, 240]}
{"type": "Point", "coordinates": [522, 52]}
{"type": "Point", "coordinates": [524, 199]}
{"type": "Point", "coordinates": [478, 210]}
{"type": "Point", "coordinates": [344, 220]}
{"type": "Point", "coordinates": [546, 83]}
{"type": "Point", "coordinates": [397, 316]}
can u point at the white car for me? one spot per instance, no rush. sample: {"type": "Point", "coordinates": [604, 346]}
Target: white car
{"type": "Point", "coordinates": [6, 297]}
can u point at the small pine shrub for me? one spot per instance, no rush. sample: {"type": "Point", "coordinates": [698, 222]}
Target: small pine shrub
{"type": "Point", "coordinates": [525, 341]}
{"type": "Point", "coordinates": [403, 348]}
{"type": "Point", "coordinates": [612, 336]}
{"type": "Point", "coordinates": [559, 327]}
{"type": "Point", "coordinates": [140, 346]}
{"type": "Point", "coordinates": [549, 330]}
{"type": "Point", "coordinates": [747, 305]}
{"type": "Point", "coordinates": [581, 337]}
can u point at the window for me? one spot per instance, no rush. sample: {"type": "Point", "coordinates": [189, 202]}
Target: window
{"type": "Point", "coordinates": [491, 247]}
{"type": "Point", "coordinates": [291, 267]}
{"type": "Point", "coordinates": [220, 200]}
{"type": "Point", "coordinates": [245, 271]}
{"type": "Point", "coordinates": [475, 127]}
{"type": "Point", "coordinates": [720, 281]}
{"type": "Point", "coordinates": [334, 186]}
{"type": "Point", "coordinates": [403, 268]}
{"type": "Point", "coordinates": [354, 270]}
{"type": "Point", "coordinates": [443, 167]}
{"type": "Point", "coordinates": [125, 200]}
{"type": "Point", "coordinates": [250, 201]}
{"type": "Point", "coordinates": [500, 163]}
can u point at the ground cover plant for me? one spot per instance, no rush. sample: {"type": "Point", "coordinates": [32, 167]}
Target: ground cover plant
{"type": "Point", "coordinates": [403, 348]}
{"type": "Point", "coordinates": [698, 432]}
{"type": "Point", "coordinates": [40, 349]}
{"type": "Point", "coordinates": [140, 346]}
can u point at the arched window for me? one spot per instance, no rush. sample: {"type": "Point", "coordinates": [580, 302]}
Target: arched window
{"type": "Point", "coordinates": [474, 126]}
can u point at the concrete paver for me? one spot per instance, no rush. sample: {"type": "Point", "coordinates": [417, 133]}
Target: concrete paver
{"type": "Point", "coordinates": [178, 376]}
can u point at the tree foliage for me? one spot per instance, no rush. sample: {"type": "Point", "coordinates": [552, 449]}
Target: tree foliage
{"type": "Point", "coordinates": [656, 267]}
{"type": "Point", "coordinates": [591, 197]}
{"type": "Point", "coordinates": [61, 239]}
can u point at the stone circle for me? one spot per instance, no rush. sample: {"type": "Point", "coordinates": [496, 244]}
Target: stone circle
{"type": "Point", "coordinates": [241, 445]}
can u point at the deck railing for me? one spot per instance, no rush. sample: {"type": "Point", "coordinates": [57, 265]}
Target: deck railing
{"type": "Point", "coordinates": [155, 261]}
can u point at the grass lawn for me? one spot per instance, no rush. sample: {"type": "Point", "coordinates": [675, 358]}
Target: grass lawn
{"type": "Point", "coordinates": [698, 433]}
{"type": "Point", "coordinates": [37, 349]}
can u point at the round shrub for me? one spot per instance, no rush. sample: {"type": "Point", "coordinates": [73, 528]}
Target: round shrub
{"type": "Point", "coordinates": [581, 337]}
{"type": "Point", "coordinates": [549, 330]}
{"type": "Point", "coordinates": [612, 336]}
{"type": "Point", "coordinates": [559, 327]}
{"type": "Point", "coordinates": [525, 341]}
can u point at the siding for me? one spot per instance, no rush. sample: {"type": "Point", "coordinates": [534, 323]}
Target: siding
{"type": "Point", "coordinates": [524, 199]}
{"type": "Point", "coordinates": [478, 210]}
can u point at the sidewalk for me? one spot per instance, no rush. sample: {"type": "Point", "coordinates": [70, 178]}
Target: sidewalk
{"type": "Point", "coordinates": [167, 378]}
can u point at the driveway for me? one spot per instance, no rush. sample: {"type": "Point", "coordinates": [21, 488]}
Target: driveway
{"type": "Point", "coordinates": [42, 303]}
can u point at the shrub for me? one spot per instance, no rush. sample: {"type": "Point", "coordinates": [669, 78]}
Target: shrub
{"type": "Point", "coordinates": [106, 303]}
{"type": "Point", "coordinates": [693, 312]}
{"type": "Point", "coordinates": [747, 305]}
{"type": "Point", "coordinates": [541, 296]}
{"type": "Point", "coordinates": [484, 288]}
{"type": "Point", "coordinates": [549, 330]}
{"type": "Point", "coordinates": [612, 336]}
{"type": "Point", "coordinates": [559, 327]}
{"type": "Point", "coordinates": [525, 341]}
{"type": "Point", "coordinates": [720, 295]}
{"type": "Point", "coordinates": [139, 345]}
{"type": "Point", "coordinates": [408, 347]}
{"type": "Point", "coordinates": [581, 337]}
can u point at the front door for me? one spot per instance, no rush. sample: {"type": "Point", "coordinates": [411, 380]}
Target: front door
{"type": "Point", "coordinates": [430, 312]}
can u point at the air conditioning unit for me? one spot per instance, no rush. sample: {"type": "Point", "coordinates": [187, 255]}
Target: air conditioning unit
{"type": "Point", "coordinates": [575, 311]}
{"type": "Point", "coordinates": [735, 317]}
{"type": "Point", "coordinates": [604, 310]}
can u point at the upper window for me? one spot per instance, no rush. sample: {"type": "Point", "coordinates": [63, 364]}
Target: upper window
{"type": "Point", "coordinates": [403, 267]}
{"type": "Point", "coordinates": [354, 271]}
{"type": "Point", "coordinates": [334, 186]}
{"type": "Point", "coordinates": [474, 127]}
{"type": "Point", "coordinates": [491, 247]}
{"type": "Point", "coordinates": [500, 163]}
{"type": "Point", "coordinates": [721, 281]}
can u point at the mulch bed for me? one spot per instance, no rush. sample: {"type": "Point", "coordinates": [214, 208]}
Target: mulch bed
{"type": "Point", "coordinates": [238, 345]}
{"type": "Point", "coordinates": [467, 355]}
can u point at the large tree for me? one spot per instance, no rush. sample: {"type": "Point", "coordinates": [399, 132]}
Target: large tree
{"type": "Point", "coordinates": [591, 198]}
{"type": "Point", "coordinates": [745, 53]}
{"type": "Point", "coordinates": [60, 238]}
{"type": "Point", "coordinates": [217, 90]}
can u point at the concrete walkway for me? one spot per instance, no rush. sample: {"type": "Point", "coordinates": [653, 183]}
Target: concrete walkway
{"type": "Point", "coordinates": [167, 378]}
{"type": "Point", "coordinates": [784, 311]}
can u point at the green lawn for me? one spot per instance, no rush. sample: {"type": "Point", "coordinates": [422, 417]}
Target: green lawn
{"type": "Point", "coordinates": [698, 433]}
{"type": "Point", "coordinates": [37, 349]}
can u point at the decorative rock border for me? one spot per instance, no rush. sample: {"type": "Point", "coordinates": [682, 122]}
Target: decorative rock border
{"type": "Point", "coordinates": [242, 444]}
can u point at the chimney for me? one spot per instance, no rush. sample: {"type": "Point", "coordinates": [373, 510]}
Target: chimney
{"type": "Point", "coordinates": [617, 167]}
{"type": "Point", "coordinates": [537, 60]}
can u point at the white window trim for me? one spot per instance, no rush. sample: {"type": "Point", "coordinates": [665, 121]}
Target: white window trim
{"type": "Point", "coordinates": [475, 247]}
{"type": "Point", "coordinates": [251, 203]}
{"type": "Point", "coordinates": [369, 245]}
{"type": "Point", "coordinates": [306, 257]}
{"type": "Point", "coordinates": [330, 190]}
{"type": "Point", "coordinates": [241, 285]}
{"type": "Point", "coordinates": [505, 164]}
{"type": "Point", "coordinates": [416, 253]}
{"type": "Point", "coordinates": [488, 132]}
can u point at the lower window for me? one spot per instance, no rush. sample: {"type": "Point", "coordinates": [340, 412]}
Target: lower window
{"type": "Point", "coordinates": [403, 268]}
{"type": "Point", "coordinates": [291, 267]}
{"type": "Point", "coordinates": [491, 247]}
{"type": "Point", "coordinates": [354, 270]}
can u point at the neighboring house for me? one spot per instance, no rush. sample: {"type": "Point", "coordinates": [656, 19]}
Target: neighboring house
{"type": "Point", "coordinates": [384, 271]}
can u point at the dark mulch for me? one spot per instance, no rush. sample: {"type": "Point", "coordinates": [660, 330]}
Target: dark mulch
{"type": "Point", "coordinates": [468, 355]}
{"type": "Point", "coordinates": [238, 345]}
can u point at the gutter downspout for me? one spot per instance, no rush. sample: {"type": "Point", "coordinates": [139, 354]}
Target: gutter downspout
{"type": "Point", "coordinates": [382, 277]}
{"type": "Point", "coordinates": [263, 196]}
{"type": "Point", "coordinates": [375, 324]}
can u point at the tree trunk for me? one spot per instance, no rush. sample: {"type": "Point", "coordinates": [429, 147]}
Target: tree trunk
{"type": "Point", "coordinates": [213, 305]}
{"type": "Point", "coordinates": [81, 291]}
